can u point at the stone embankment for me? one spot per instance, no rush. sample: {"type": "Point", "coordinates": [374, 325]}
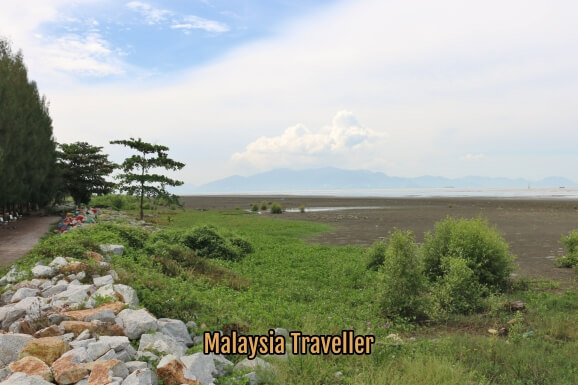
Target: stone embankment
{"type": "Point", "coordinates": [63, 323]}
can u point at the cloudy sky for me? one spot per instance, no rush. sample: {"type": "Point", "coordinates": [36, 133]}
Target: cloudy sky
{"type": "Point", "coordinates": [409, 88]}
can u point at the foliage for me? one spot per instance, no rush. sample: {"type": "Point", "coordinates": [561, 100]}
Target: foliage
{"type": "Point", "coordinates": [84, 169]}
{"type": "Point", "coordinates": [263, 205]}
{"type": "Point", "coordinates": [116, 202]}
{"type": "Point", "coordinates": [570, 243]}
{"type": "Point", "coordinates": [276, 208]}
{"type": "Point", "coordinates": [137, 179]}
{"type": "Point", "coordinates": [254, 207]}
{"type": "Point", "coordinates": [208, 241]}
{"type": "Point", "coordinates": [302, 208]}
{"type": "Point", "coordinates": [401, 282]}
{"type": "Point", "coordinates": [27, 147]}
{"type": "Point", "coordinates": [481, 246]}
{"type": "Point", "coordinates": [376, 254]}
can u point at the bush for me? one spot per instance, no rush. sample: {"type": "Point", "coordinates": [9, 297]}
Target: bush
{"type": "Point", "coordinates": [276, 208]}
{"type": "Point", "coordinates": [208, 242]}
{"type": "Point", "coordinates": [482, 248]}
{"type": "Point", "coordinates": [570, 243]}
{"type": "Point", "coordinates": [263, 205]}
{"type": "Point", "coordinates": [376, 254]}
{"type": "Point", "coordinates": [302, 208]}
{"type": "Point", "coordinates": [254, 207]}
{"type": "Point", "coordinates": [401, 280]}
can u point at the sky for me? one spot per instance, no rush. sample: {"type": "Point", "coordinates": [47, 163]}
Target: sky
{"type": "Point", "coordinates": [409, 88]}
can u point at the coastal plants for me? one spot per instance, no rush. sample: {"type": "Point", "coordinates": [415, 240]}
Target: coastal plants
{"type": "Point", "coordinates": [276, 208]}
{"type": "Point", "coordinates": [570, 242]}
{"type": "Point", "coordinates": [482, 247]}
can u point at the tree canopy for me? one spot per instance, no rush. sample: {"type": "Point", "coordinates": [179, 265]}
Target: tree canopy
{"type": "Point", "coordinates": [27, 147]}
{"type": "Point", "coordinates": [84, 169]}
{"type": "Point", "coordinates": [137, 178]}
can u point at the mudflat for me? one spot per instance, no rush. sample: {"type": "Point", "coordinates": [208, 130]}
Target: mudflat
{"type": "Point", "coordinates": [532, 227]}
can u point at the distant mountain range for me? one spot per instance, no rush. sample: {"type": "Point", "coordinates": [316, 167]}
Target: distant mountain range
{"type": "Point", "coordinates": [330, 178]}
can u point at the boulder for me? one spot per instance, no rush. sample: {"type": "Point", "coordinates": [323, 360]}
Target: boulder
{"type": "Point", "coordinates": [66, 371]}
{"type": "Point", "coordinates": [117, 343]}
{"type": "Point", "coordinates": [96, 349]}
{"type": "Point", "coordinates": [102, 372]}
{"type": "Point", "coordinates": [58, 262]}
{"type": "Point", "coordinates": [82, 315]}
{"type": "Point", "coordinates": [162, 343]}
{"type": "Point", "coordinates": [134, 365]}
{"type": "Point", "coordinates": [143, 376]}
{"type": "Point", "coordinates": [128, 295]}
{"type": "Point", "coordinates": [170, 371]}
{"type": "Point", "coordinates": [40, 271]}
{"type": "Point", "coordinates": [53, 290]}
{"type": "Point", "coordinates": [50, 331]}
{"type": "Point", "coordinates": [73, 295]}
{"type": "Point", "coordinates": [105, 315]}
{"type": "Point", "coordinates": [112, 249]}
{"type": "Point", "coordinates": [206, 367]}
{"type": "Point", "coordinates": [24, 379]}
{"type": "Point", "coordinates": [32, 366]}
{"type": "Point", "coordinates": [48, 349]}
{"type": "Point", "coordinates": [9, 314]}
{"type": "Point", "coordinates": [101, 281]}
{"type": "Point", "coordinates": [176, 329]}
{"type": "Point", "coordinates": [137, 322]}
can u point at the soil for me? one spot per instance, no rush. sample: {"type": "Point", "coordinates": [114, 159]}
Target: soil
{"type": "Point", "coordinates": [532, 227]}
{"type": "Point", "coordinates": [17, 238]}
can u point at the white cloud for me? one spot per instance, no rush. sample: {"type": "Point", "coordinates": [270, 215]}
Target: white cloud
{"type": "Point", "coordinates": [195, 22]}
{"type": "Point", "coordinates": [151, 14]}
{"type": "Point", "coordinates": [470, 157]}
{"type": "Point", "coordinates": [299, 144]}
{"type": "Point", "coordinates": [88, 54]}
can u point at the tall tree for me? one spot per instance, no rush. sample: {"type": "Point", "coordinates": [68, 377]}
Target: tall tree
{"type": "Point", "coordinates": [27, 147]}
{"type": "Point", "coordinates": [84, 169]}
{"type": "Point", "coordinates": [137, 178]}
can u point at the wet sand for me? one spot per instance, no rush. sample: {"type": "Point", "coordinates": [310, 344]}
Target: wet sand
{"type": "Point", "coordinates": [532, 227]}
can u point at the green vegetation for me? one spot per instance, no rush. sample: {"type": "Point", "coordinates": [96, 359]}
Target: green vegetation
{"type": "Point", "coordinates": [570, 243]}
{"type": "Point", "coordinates": [137, 179]}
{"type": "Point", "coordinates": [27, 147]}
{"type": "Point", "coordinates": [83, 169]}
{"type": "Point", "coordinates": [276, 208]}
{"type": "Point", "coordinates": [287, 282]}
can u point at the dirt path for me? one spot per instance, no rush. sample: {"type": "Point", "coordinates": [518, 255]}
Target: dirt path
{"type": "Point", "coordinates": [14, 243]}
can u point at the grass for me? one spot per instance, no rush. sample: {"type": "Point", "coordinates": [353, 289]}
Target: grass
{"type": "Point", "coordinates": [287, 282]}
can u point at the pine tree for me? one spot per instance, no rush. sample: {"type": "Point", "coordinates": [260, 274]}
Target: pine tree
{"type": "Point", "coordinates": [84, 169]}
{"type": "Point", "coordinates": [136, 178]}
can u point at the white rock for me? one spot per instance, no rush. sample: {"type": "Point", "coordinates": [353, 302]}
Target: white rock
{"type": "Point", "coordinates": [79, 355]}
{"type": "Point", "coordinates": [58, 262]}
{"type": "Point", "coordinates": [53, 290]}
{"type": "Point", "coordinates": [22, 293]}
{"type": "Point", "coordinates": [82, 343]}
{"type": "Point", "coordinates": [143, 376]}
{"type": "Point", "coordinates": [112, 249]}
{"type": "Point", "coordinates": [12, 276]}
{"type": "Point", "coordinates": [75, 282]}
{"type": "Point", "coordinates": [176, 329]}
{"type": "Point", "coordinates": [128, 294]}
{"type": "Point", "coordinates": [10, 347]}
{"type": "Point", "coordinates": [45, 285]}
{"type": "Point", "coordinates": [134, 365]}
{"type": "Point", "coordinates": [9, 314]}
{"type": "Point", "coordinates": [22, 379]}
{"type": "Point", "coordinates": [73, 295]}
{"type": "Point", "coordinates": [84, 335]}
{"type": "Point", "coordinates": [162, 343]}
{"type": "Point", "coordinates": [101, 281]}
{"type": "Point", "coordinates": [40, 271]}
{"type": "Point", "coordinates": [205, 367]}
{"type": "Point", "coordinates": [117, 343]}
{"type": "Point", "coordinates": [4, 373]}
{"type": "Point", "coordinates": [105, 291]}
{"type": "Point", "coordinates": [256, 363]}
{"type": "Point", "coordinates": [97, 349]}
{"type": "Point", "coordinates": [81, 275]}
{"type": "Point", "coordinates": [137, 322]}
{"type": "Point", "coordinates": [105, 315]}
{"type": "Point", "coordinates": [109, 355]}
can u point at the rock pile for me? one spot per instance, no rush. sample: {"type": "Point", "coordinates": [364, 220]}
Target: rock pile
{"type": "Point", "coordinates": [66, 326]}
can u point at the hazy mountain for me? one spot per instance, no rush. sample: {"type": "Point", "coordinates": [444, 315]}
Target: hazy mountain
{"type": "Point", "coordinates": [331, 178]}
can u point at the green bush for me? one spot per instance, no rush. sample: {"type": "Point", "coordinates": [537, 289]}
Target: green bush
{"type": "Point", "coordinates": [276, 208]}
{"type": "Point", "coordinates": [376, 254]}
{"type": "Point", "coordinates": [254, 207]}
{"type": "Point", "coordinates": [456, 292]}
{"type": "Point", "coordinates": [570, 243]}
{"type": "Point", "coordinates": [263, 205]}
{"type": "Point", "coordinates": [401, 280]}
{"type": "Point", "coordinates": [482, 247]}
{"type": "Point", "coordinates": [208, 242]}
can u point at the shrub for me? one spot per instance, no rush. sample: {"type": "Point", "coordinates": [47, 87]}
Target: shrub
{"type": "Point", "coordinates": [376, 254]}
{"type": "Point", "coordinates": [302, 208]}
{"type": "Point", "coordinates": [486, 253]}
{"type": "Point", "coordinates": [456, 291]}
{"type": "Point", "coordinates": [276, 208]}
{"type": "Point", "coordinates": [570, 243]}
{"type": "Point", "coordinates": [263, 205]}
{"type": "Point", "coordinates": [401, 280]}
{"type": "Point", "coordinates": [254, 207]}
{"type": "Point", "coordinates": [208, 242]}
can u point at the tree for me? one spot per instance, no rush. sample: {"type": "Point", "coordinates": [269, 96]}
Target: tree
{"type": "Point", "coordinates": [84, 169]}
{"type": "Point", "coordinates": [27, 147]}
{"type": "Point", "coordinates": [136, 178]}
